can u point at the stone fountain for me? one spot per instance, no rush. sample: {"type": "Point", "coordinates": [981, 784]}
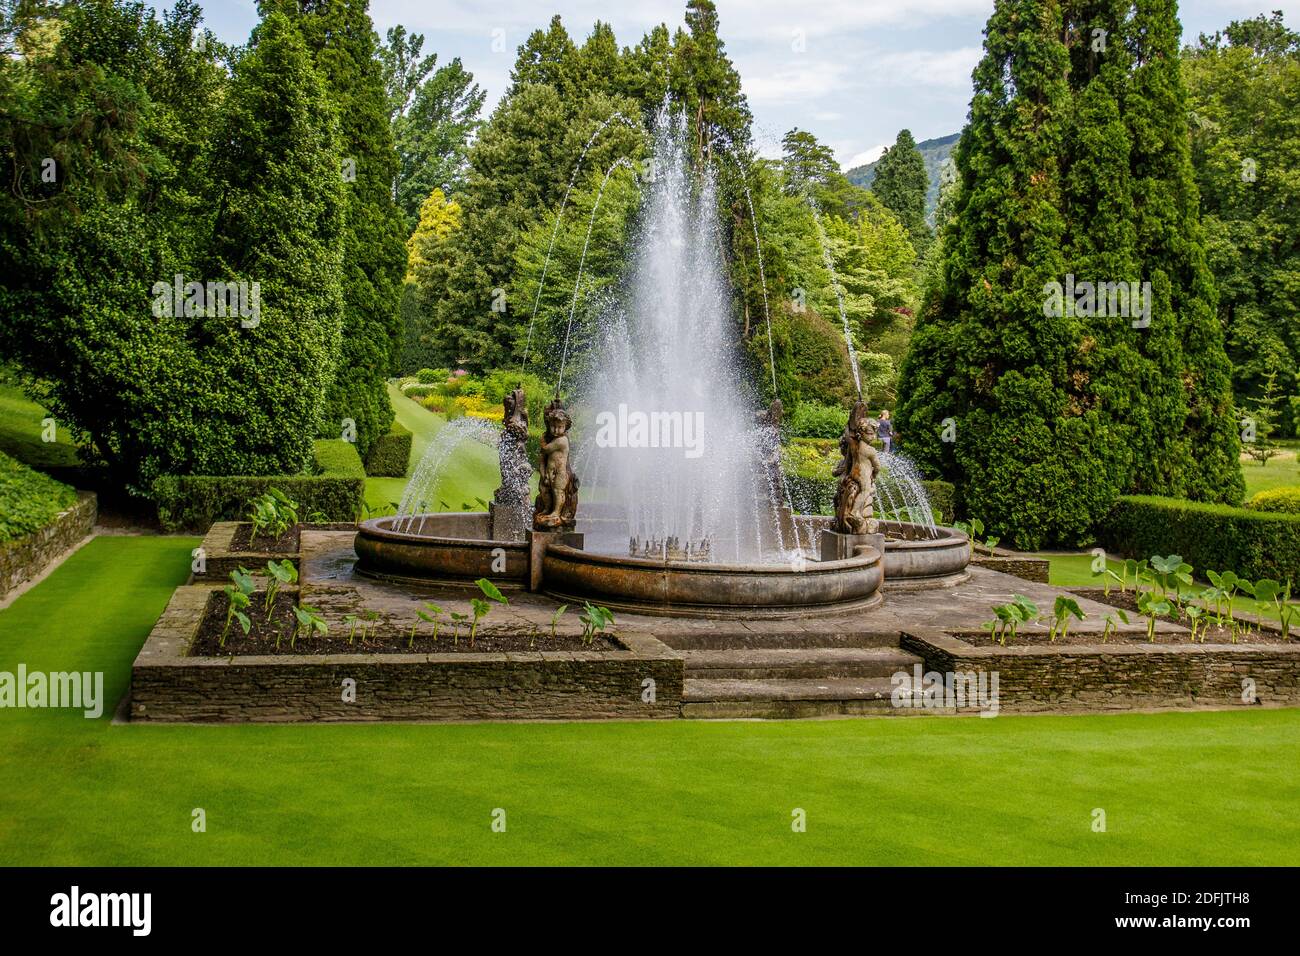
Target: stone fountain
{"type": "Point", "coordinates": [688, 515]}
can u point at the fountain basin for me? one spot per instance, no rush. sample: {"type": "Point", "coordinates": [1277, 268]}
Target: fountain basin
{"type": "Point", "coordinates": [452, 547]}
{"type": "Point", "coordinates": [690, 589]}
{"type": "Point", "coordinates": [915, 557]}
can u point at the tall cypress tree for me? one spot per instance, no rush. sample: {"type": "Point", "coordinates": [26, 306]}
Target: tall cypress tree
{"type": "Point", "coordinates": [1198, 454]}
{"type": "Point", "coordinates": [1075, 163]}
{"type": "Point", "coordinates": [901, 183]}
{"type": "Point", "coordinates": [344, 45]}
{"type": "Point", "coordinates": [281, 224]}
{"type": "Point", "coordinates": [984, 384]}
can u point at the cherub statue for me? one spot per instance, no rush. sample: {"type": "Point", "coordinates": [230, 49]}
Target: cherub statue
{"type": "Point", "coordinates": [557, 492]}
{"type": "Point", "coordinates": [510, 503]}
{"type": "Point", "coordinates": [857, 471]}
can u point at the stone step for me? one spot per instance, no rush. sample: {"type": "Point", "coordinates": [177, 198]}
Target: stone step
{"type": "Point", "coordinates": [797, 662]}
{"type": "Point", "coordinates": [770, 635]}
{"type": "Point", "coordinates": [787, 698]}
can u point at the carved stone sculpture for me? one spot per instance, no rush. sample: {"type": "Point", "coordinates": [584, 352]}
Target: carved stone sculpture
{"type": "Point", "coordinates": [510, 503]}
{"type": "Point", "coordinates": [557, 492]}
{"type": "Point", "coordinates": [857, 471]}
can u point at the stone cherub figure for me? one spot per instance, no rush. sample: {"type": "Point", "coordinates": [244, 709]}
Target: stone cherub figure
{"type": "Point", "coordinates": [857, 471]}
{"type": "Point", "coordinates": [557, 492]}
{"type": "Point", "coordinates": [510, 503]}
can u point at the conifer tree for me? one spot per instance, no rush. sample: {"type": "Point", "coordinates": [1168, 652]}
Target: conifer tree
{"type": "Point", "coordinates": [901, 183]}
{"type": "Point", "coordinates": [342, 40]}
{"type": "Point", "coordinates": [1074, 167]}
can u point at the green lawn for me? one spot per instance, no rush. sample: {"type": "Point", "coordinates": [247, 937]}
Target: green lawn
{"type": "Point", "coordinates": [1191, 788]}
{"type": "Point", "coordinates": [1280, 471]}
{"type": "Point", "coordinates": [471, 473]}
{"type": "Point", "coordinates": [20, 433]}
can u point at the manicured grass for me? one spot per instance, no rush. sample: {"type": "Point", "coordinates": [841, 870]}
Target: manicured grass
{"type": "Point", "coordinates": [1194, 788]}
{"type": "Point", "coordinates": [20, 433]}
{"type": "Point", "coordinates": [1280, 471]}
{"type": "Point", "coordinates": [471, 473]}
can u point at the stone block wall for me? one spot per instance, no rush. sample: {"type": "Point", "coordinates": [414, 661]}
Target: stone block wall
{"type": "Point", "coordinates": [1122, 677]}
{"type": "Point", "coordinates": [168, 685]}
{"type": "Point", "coordinates": [24, 558]}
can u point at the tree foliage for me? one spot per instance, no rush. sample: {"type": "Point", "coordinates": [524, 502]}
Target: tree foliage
{"type": "Point", "coordinates": [1075, 162]}
{"type": "Point", "coordinates": [1244, 93]}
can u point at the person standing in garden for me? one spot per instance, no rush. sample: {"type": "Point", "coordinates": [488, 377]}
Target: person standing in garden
{"type": "Point", "coordinates": [886, 431]}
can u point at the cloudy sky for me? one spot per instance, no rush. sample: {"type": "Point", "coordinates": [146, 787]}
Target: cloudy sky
{"type": "Point", "coordinates": [852, 71]}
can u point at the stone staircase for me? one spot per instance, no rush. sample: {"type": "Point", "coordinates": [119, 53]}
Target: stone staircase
{"type": "Point", "coordinates": [787, 682]}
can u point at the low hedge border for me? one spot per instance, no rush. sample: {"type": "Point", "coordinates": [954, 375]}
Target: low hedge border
{"type": "Point", "coordinates": [334, 493]}
{"type": "Point", "coordinates": [1253, 544]}
{"type": "Point", "coordinates": [390, 454]}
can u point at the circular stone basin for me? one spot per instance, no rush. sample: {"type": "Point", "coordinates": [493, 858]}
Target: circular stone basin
{"type": "Point", "coordinates": [452, 547]}
{"type": "Point", "coordinates": [696, 589]}
{"type": "Point", "coordinates": [916, 557]}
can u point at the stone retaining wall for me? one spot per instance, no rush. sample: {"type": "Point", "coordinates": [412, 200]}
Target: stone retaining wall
{"type": "Point", "coordinates": [24, 558]}
{"type": "Point", "coordinates": [219, 557]}
{"type": "Point", "coordinates": [168, 685]}
{"type": "Point", "coordinates": [1122, 677]}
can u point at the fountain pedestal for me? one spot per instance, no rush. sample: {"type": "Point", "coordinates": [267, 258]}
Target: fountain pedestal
{"type": "Point", "coordinates": [537, 543]}
{"type": "Point", "coordinates": [836, 546]}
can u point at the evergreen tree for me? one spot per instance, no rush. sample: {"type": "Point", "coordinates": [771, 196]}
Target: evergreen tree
{"type": "Point", "coordinates": [1199, 456]}
{"type": "Point", "coordinates": [987, 367]}
{"type": "Point", "coordinates": [1074, 164]}
{"type": "Point", "coordinates": [344, 46]}
{"type": "Point", "coordinates": [281, 224]}
{"type": "Point", "coordinates": [901, 183]}
{"type": "Point", "coordinates": [1244, 93]}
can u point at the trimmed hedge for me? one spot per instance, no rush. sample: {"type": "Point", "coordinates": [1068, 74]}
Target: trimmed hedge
{"type": "Point", "coordinates": [1285, 499]}
{"type": "Point", "coordinates": [335, 492]}
{"type": "Point", "coordinates": [29, 500]}
{"type": "Point", "coordinates": [391, 453]}
{"type": "Point", "coordinates": [1254, 544]}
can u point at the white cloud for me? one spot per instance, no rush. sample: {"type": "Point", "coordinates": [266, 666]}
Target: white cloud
{"type": "Point", "coordinates": [866, 156]}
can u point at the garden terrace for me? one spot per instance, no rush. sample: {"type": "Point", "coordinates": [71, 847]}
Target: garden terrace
{"type": "Point", "coordinates": [654, 667]}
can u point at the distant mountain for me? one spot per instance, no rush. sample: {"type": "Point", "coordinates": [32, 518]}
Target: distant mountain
{"type": "Point", "coordinates": [933, 151]}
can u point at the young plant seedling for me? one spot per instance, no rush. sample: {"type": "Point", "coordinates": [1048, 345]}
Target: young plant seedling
{"type": "Point", "coordinates": [1194, 614]}
{"type": "Point", "coordinates": [236, 601]}
{"type": "Point", "coordinates": [1112, 624]}
{"type": "Point", "coordinates": [351, 620]}
{"type": "Point", "coordinates": [309, 622]}
{"type": "Point", "coordinates": [1062, 611]}
{"type": "Point", "coordinates": [555, 618]}
{"type": "Point", "coordinates": [594, 620]}
{"type": "Point", "coordinates": [456, 619]}
{"type": "Point", "coordinates": [278, 574]}
{"type": "Point", "coordinates": [1152, 606]}
{"type": "Point", "coordinates": [430, 616]}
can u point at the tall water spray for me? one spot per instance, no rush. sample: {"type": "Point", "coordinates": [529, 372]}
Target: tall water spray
{"type": "Point", "coordinates": [675, 446]}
